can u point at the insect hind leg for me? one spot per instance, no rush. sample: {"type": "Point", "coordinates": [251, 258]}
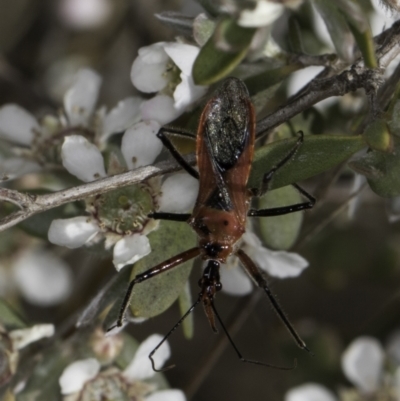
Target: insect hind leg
{"type": "Point", "coordinates": [190, 310]}
{"type": "Point", "coordinates": [258, 277]}
{"type": "Point", "coordinates": [239, 354]}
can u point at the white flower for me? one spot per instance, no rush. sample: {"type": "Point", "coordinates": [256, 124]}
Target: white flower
{"type": "Point", "coordinates": [309, 392]}
{"type": "Point", "coordinates": [125, 224]}
{"type": "Point", "coordinates": [362, 363]}
{"type": "Point", "coordinates": [264, 13]}
{"type": "Point", "coordinates": [280, 264]}
{"type": "Point", "coordinates": [84, 14]}
{"type": "Point", "coordinates": [42, 278]}
{"type": "Point", "coordinates": [150, 74]}
{"type": "Point", "coordinates": [20, 127]}
{"type": "Point", "coordinates": [22, 337]}
{"type": "Point", "coordinates": [80, 378]}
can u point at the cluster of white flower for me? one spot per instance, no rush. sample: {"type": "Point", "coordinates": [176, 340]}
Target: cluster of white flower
{"type": "Point", "coordinates": [86, 378]}
{"type": "Point", "coordinates": [363, 365]}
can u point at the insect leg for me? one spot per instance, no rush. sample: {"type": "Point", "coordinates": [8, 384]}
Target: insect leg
{"type": "Point", "coordinates": [258, 277]}
{"type": "Point", "coordinates": [174, 152]}
{"type": "Point", "coordinates": [239, 354]}
{"type": "Point", "coordinates": [154, 271]}
{"type": "Point", "coordinates": [277, 211]}
{"type": "Point", "coordinates": [190, 310]}
{"type": "Point", "coordinates": [170, 216]}
{"type": "Point", "coordinates": [268, 176]}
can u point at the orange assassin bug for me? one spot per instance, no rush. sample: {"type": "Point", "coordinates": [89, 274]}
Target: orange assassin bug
{"type": "Point", "coordinates": [224, 150]}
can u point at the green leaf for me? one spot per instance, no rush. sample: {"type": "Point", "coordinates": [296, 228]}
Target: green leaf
{"type": "Point", "coordinates": [280, 232]}
{"type": "Point", "coordinates": [185, 302]}
{"type": "Point", "coordinates": [222, 52]}
{"type": "Point", "coordinates": [295, 42]}
{"type": "Point", "coordinates": [378, 136]}
{"type": "Point", "coordinates": [129, 348]}
{"type": "Point", "coordinates": [157, 294]}
{"type": "Point", "coordinates": [10, 318]}
{"type": "Point", "coordinates": [337, 26]}
{"type": "Point", "coordinates": [113, 290]}
{"type": "Point", "coordinates": [365, 42]}
{"type": "Point", "coordinates": [203, 28]}
{"type": "Point", "coordinates": [180, 22]}
{"type": "Point", "coordinates": [43, 383]}
{"type": "Point", "coordinates": [269, 78]}
{"type": "Point", "coordinates": [382, 170]}
{"type": "Point", "coordinates": [316, 155]}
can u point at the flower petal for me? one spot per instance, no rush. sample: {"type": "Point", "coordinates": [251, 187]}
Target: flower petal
{"type": "Point", "coordinates": [130, 249]}
{"type": "Point", "coordinates": [17, 125]}
{"type": "Point", "coordinates": [234, 280]}
{"type": "Point", "coordinates": [77, 374]}
{"type": "Point", "coordinates": [182, 55]}
{"type": "Point", "coordinates": [265, 13]}
{"type": "Point", "coordinates": [309, 392]}
{"type": "Point", "coordinates": [147, 73]}
{"type": "Point", "coordinates": [140, 366]}
{"type": "Point", "coordinates": [80, 100]}
{"type": "Point", "coordinates": [160, 108]}
{"type": "Point", "coordinates": [140, 145]}
{"type": "Point", "coordinates": [362, 363]}
{"type": "Point", "coordinates": [187, 92]}
{"type": "Point", "coordinates": [86, 14]}
{"type": "Point", "coordinates": [179, 193]}
{"type": "Point", "coordinates": [122, 116]}
{"type": "Point", "coordinates": [73, 232]}
{"type": "Point", "coordinates": [23, 337]}
{"type": "Point", "coordinates": [43, 278]}
{"type": "Point", "coordinates": [82, 159]}
{"type": "Point", "coordinates": [167, 395]}
{"type": "Point", "coordinates": [280, 264]}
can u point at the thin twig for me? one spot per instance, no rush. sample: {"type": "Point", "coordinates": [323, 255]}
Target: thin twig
{"type": "Point", "coordinates": [31, 205]}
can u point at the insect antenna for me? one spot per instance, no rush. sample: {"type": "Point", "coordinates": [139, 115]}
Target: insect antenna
{"type": "Point", "coordinates": [239, 354]}
{"type": "Point", "coordinates": [190, 310]}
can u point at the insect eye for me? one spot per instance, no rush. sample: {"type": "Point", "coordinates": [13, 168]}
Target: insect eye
{"type": "Point", "coordinates": [218, 286]}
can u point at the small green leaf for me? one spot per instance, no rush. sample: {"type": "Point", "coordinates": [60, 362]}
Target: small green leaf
{"type": "Point", "coordinates": [295, 42]}
{"type": "Point", "coordinates": [222, 52]}
{"type": "Point", "coordinates": [269, 78]}
{"type": "Point", "coordinates": [43, 383]}
{"type": "Point", "coordinates": [203, 28]}
{"type": "Point", "coordinates": [114, 290]}
{"type": "Point", "coordinates": [10, 318]}
{"type": "Point", "coordinates": [185, 302]}
{"type": "Point", "coordinates": [386, 166]}
{"type": "Point", "coordinates": [157, 294]}
{"type": "Point", "coordinates": [128, 351]}
{"type": "Point", "coordinates": [337, 26]}
{"type": "Point", "coordinates": [378, 136]}
{"type": "Point", "coordinates": [180, 22]}
{"type": "Point", "coordinates": [280, 232]}
{"type": "Point", "coordinates": [365, 43]}
{"type": "Point", "coordinates": [316, 155]}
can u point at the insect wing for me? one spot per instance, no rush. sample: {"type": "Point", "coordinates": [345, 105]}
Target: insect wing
{"type": "Point", "coordinates": [225, 147]}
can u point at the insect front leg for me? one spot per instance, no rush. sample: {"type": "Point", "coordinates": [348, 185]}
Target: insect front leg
{"type": "Point", "coordinates": [154, 271]}
{"type": "Point", "coordinates": [174, 152]}
{"type": "Point", "coordinates": [260, 280]}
